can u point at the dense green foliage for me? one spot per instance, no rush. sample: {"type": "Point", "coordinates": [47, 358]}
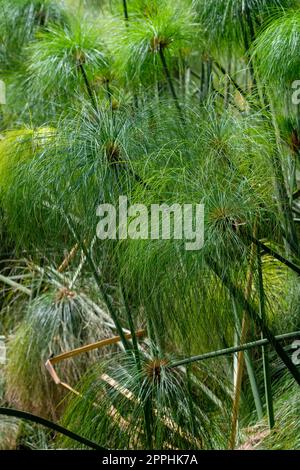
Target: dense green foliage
{"type": "Point", "coordinates": [164, 101]}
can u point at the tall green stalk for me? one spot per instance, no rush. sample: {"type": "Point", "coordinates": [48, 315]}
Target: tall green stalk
{"type": "Point", "coordinates": [250, 369]}
{"type": "Point", "coordinates": [266, 365]}
{"type": "Point", "coordinates": [147, 406]}
{"type": "Point", "coordinates": [290, 232]}
{"type": "Point", "coordinates": [125, 10]}
{"type": "Point", "coordinates": [87, 84]}
{"type": "Point", "coordinates": [244, 330]}
{"type": "Point", "coordinates": [249, 38]}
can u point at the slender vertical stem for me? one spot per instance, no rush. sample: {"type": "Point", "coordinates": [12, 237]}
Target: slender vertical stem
{"type": "Point", "coordinates": [290, 235]}
{"type": "Point", "coordinates": [169, 80]}
{"type": "Point", "coordinates": [201, 94]}
{"type": "Point", "coordinates": [209, 75]}
{"type": "Point", "coordinates": [125, 10]}
{"type": "Point", "coordinates": [250, 368]}
{"type": "Point", "coordinates": [237, 335]}
{"type": "Point", "coordinates": [241, 360]}
{"type": "Point", "coordinates": [147, 406]}
{"type": "Point", "coordinates": [109, 93]}
{"type": "Point", "coordinates": [227, 84]}
{"type": "Point", "coordinates": [237, 391]}
{"type": "Point", "coordinates": [254, 386]}
{"type": "Point", "coordinates": [190, 398]}
{"type": "Point", "coordinates": [87, 84]}
{"type": "Point", "coordinates": [283, 200]}
{"type": "Point", "coordinates": [266, 365]}
{"type": "Point", "coordinates": [132, 330]}
{"type": "Point", "coordinates": [249, 37]}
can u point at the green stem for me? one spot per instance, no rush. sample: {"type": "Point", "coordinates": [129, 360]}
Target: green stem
{"type": "Point", "coordinates": [248, 40]}
{"type": "Point", "coordinates": [224, 72]}
{"type": "Point", "coordinates": [275, 255]}
{"type": "Point", "coordinates": [87, 84]}
{"type": "Point", "coordinates": [296, 195]}
{"type": "Point", "coordinates": [15, 285]}
{"type": "Point", "coordinates": [125, 10]}
{"type": "Point", "coordinates": [99, 283]}
{"type": "Point", "coordinates": [169, 80]}
{"type": "Point", "coordinates": [232, 350]}
{"type": "Point", "coordinates": [132, 331]}
{"type": "Point", "coordinates": [266, 365]}
{"type": "Point", "coordinates": [109, 95]}
{"type": "Point", "coordinates": [202, 83]}
{"type": "Point", "coordinates": [291, 236]}
{"type": "Point", "coordinates": [283, 200]}
{"type": "Point", "coordinates": [147, 406]}
{"type": "Point", "coordinates": [250, 369]}
{"type": "Point", "coordinates": [190, 398]}
{"type": "Point", "coordinates": [260, 322]}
